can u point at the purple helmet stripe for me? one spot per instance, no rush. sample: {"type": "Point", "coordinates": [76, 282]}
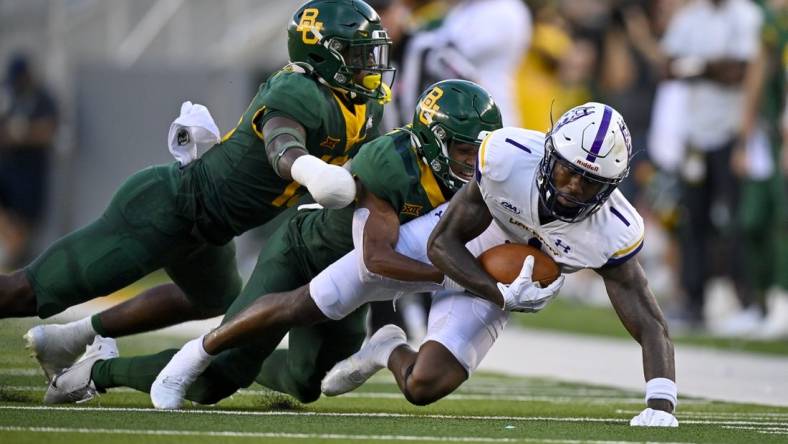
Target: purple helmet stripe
{"type": "Point", "coordinates": [600, 135]}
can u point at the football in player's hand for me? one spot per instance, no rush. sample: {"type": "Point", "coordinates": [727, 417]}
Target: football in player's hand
{"type": "Point", "coordinates": [504, 262]}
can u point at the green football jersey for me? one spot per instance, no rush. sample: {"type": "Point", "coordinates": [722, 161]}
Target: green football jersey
{"type": "Point", "coordinates": [233, 187]}
{"type": "Point", "coordinates": [390, 168]}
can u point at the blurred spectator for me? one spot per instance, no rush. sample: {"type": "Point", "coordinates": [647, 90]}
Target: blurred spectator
{"type": "Point", "coordinates": [756, 157]}
{"type": "Point", "coordinates": [539, 89]}
{"type": "Point", "coordinates": [709, 44]}
{"type": "Point", "coordinates": [28, 118]}
{"type": "Point", "coordinates": [630, 61]}
{"type": "Point", "coordinates": [479, 40]}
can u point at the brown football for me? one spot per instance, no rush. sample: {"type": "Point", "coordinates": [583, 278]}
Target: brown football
{"type": "Point", "coordinates": [505, 261]}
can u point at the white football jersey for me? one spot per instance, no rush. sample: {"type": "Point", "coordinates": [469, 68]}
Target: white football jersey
{"type": "Point", "coordinates": [507, 169]}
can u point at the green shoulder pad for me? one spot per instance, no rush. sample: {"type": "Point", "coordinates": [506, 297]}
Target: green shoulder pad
{"type": "Point", "coordinates": [296, 95]}
{"type": "Point", "coordinates": [380, 166]}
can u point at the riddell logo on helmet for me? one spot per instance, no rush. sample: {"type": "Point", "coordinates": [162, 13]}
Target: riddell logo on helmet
{"type": "Point", "coordinates": [587, 165]}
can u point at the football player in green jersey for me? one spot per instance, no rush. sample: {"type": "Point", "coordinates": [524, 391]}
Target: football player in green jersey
{"type": "Point", "coordinates": [399, 176]}
{"type": "Point", "coordinates": [304, 122]}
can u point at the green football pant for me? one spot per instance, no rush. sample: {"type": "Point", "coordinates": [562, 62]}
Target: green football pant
{"type": "Point", "coordinates": [141, 230]}
{"type": "Point", "coordinates": [288, 261]}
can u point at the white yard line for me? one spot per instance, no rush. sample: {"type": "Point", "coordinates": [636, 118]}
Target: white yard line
{"type": "Point", "coordinates": [301, 435]}
{"type": "Point", "coordinates": [20, 371]}
{"type": "Point", "coordinates": [378, 415]}
{"type": "Point", "coordinates": [291, 413]}
{"type": "Point", "coordinates": [766, 430]}
{"type": "Point", "coordinates": [722, 415]}
{"type": "Point", "coordinates": [557, 398]}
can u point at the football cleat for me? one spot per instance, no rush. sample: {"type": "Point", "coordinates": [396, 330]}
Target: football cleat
{"type": "Point", "coordinates": [349, 374]}
{"type": "Point", "coordinates": [169, 388]}
{"type": "Point", "coordinates": [53, 347]}
{"type": "Point", "coordinates": [74, 384]}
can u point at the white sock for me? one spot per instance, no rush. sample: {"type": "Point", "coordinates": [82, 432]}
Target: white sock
{"type": "Point", "coordinates": [383, 353]}
{"type": "Point", "coordinates": [81, 332]}
{"type": "Point", "coordinates": [195, 350]}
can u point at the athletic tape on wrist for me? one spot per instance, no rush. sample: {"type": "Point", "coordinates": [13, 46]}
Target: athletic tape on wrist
{"type": "Point", "coordinates": [662, 388]}
{"type": "Point", "coordinates": [306, 167]}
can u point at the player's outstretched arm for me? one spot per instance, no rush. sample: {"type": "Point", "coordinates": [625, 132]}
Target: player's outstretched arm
{"type": "Point", "coordinates": [627, 288]}
{"type": "Point", "coordinates": [466, 217]}
{"type": "Point", "coordinates": [285, 144]}
{"type": "Point", "coordinates": [381, 232]}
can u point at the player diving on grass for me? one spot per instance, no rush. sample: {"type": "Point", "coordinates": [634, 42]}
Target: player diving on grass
{"type": "Point", "coordinates": [400, 176]}
{"type": "Point", "coordinates": [555, 191]}
{"type": "Point", "coordinates": [304, 122]}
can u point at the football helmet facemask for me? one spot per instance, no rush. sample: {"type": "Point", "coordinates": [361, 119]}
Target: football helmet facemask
{"type": "Point", "coordinates": [345, 45]}
{"type": "Point", "coordinates": [592, 141]}
{"type": "Point", "coordinates": [453, 114]}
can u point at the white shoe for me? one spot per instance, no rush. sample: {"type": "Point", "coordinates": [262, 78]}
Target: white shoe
{"type": "Point", "coordinates": [169, 388]}
{"type": "Point", "coordinates": [775, 326]}
{"type": "Point", "coordinates": [349, 374]}
{"type": "Point", "coordinates": [741, 324]}
{"type": "Point", "coordinates": [74, 384]}
{"type": "Point", "coordinates": [54, 347]}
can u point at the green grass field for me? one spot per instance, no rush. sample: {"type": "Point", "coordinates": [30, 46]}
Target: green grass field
{"type": "Point", "coordinates": [487, 409]}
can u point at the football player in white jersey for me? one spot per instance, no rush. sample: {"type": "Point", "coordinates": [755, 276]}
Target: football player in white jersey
{"type": "Point", "coordinates": [558, 191]}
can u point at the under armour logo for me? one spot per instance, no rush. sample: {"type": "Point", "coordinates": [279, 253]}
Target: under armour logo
{"type": "Point", "coordinates": [560, 244]}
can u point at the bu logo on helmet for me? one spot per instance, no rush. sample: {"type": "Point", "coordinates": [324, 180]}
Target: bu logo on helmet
{"type": "Point", "coordinates": [309, 25]}
{"type": "Point", "coordinates": [429, 106]}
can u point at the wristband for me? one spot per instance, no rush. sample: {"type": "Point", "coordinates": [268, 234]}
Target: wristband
{"type": "Point", "coordinates": [662, 388]}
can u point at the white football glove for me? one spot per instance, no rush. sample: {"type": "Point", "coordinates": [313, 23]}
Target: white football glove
{"type": "Point", "coordinates": [330, 185]}
{"type": "Point", "coordinates": [194, 129]}
{"type": "Point", "coordinates": [524, 294]}
{"type": "Point", "coordinates": [654, 418]}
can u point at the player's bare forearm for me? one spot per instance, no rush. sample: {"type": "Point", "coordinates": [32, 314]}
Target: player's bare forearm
{"type": "Point", "coordinates": [381, 232]}
{"type": "Point", "coordinates": [637, 308]}
{"type": "Point", "coordinates": [466, 217]}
